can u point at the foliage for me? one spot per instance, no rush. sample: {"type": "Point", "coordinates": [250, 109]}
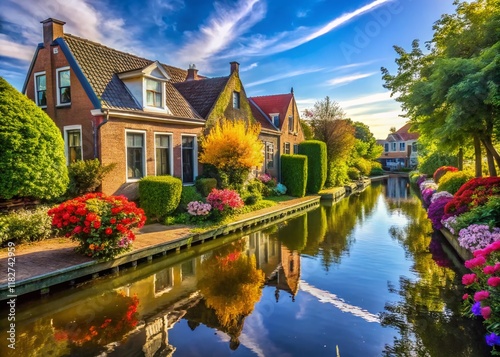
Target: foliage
{"type": "Point", "coordinates": [188, 194]}
{"type": "Point", "coordinates": [234, 148]}
{"type": "Point", "coordinates": [294, 173]}
{"type": "Point", "coordinates": [25, 225]}
{"type": "Point", "coordinates": [441, 171]}
{"type": "Point", "coordinates": [429, 164]}
{"type": "Point", "coordinates": [223, 202]}
{"type": "Point", "coordinates": [159, 195]}
{"type": "Point", "coordinates": [102, 225]}
{"type": "Point", "coordinates": [483, 284]}
{"type": "Point", "coordinates": [477, 236]}
{"type": "Point", "coordinates": [257, 186]}
{"type": "Point", "coordinates": [353, 173]}
{"type": "Point", "coordinates": [366, 150]}
{"type": "Point", "coordinates": [436, 210]}
{"type": "Point", "coordinates": [315, 151]}
{"type": "Point", "coordinates": [205, 185]}
{"type": "Point", "coordinates": [377, 171]}
{"type": "Point", "coordinates": [32, 160]}
{"type": "Point", "coordinates": [488, 214]}
{"type": "Point", "coordinates": [267, 180]}
{"type": "Point", "coordinates": [473, 193]}
{"type": "Point", "coordinates": [452, 181]}
{"type": "Point", "coordinates": [306, 129]}
{"type": "Point", "coordinates": [86, 176]}
{"type": "Point", "coordinates": [337, 174]}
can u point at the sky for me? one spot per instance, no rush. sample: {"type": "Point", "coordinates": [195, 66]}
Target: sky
{"type": "Point", "coordinates": [317, 47]}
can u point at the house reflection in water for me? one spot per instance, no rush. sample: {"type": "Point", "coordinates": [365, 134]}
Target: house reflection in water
{"type": "Point", "coordinates": [173, 293]}
{"type": "Point", "coordinates": [397, 188]}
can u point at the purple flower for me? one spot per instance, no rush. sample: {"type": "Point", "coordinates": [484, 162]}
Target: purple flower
{"type": "Point", "coordinates": [478, 236]}
{"type": "Point", "coordinates": [476, 309]}
{"type": "Point", "coordinates": [436, 210]}
{"type": "Point", "coordinates": [492, 339]}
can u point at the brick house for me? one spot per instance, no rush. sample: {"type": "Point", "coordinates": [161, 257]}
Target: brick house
{"type": "Point", "coordinates": [400, 149]}
{"type": "Point", "coordinates": [281, 131]}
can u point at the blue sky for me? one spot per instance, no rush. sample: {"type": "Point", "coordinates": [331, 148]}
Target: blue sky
{"type": "Point", "coordinates": [319, 47]}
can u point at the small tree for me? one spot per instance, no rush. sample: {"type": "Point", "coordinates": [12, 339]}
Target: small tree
{"type": "Point", "coordinates": [32, 161]}
{"type": "Point", "coordinates": [233, 148]}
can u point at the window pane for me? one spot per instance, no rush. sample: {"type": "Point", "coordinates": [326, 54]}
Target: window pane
{"type": "Point", "coordinates": [41, 82]}
{"type": "Point", "coordinates": [187, 142]}
{"type": "Point", "coordinates": [135, 155]}
{"type": "Point", "coordinates": [65, 95]}
{"type": "Point", "coordinates": [153, 85]}
{"type": "Point", "coordinates": [157, 99]}
{"type": "Point", "coordinates": [64, 79]}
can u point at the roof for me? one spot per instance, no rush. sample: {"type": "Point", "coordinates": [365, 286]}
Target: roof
{"type": "Point", "coordinates": [101, 64]}
{"type": "Point", "coordinates": [202, 93]}
{"type": "Point", "coordinates": [271, 104]}
{"type": "Point", "coordinates": [261, 117]}
{"type": "Point", "coordinates": [403, 134]}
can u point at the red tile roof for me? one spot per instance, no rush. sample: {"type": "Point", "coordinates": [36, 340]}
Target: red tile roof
{"type": "Point", "coordinates": [404, 133]}
{"type": "Point", "coordinates": [274, 104]}
{"type": "Point", "coordinates": [263, 119]}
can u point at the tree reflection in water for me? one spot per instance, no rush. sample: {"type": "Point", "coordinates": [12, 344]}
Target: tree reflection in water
{"type": "Point", "coordinates": [427, 314]}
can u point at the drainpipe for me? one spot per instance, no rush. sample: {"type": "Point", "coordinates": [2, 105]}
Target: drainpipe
{"type": "Point", "coordinates": [98, 113]}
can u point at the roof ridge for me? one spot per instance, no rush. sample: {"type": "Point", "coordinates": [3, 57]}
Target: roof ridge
{"type": "Point", "coordinates": [270, 95]}
{"type": "Point", "coordinates": [202, 79]}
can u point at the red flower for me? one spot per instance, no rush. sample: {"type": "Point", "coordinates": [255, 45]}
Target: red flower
{"type": "Point", "coordinates": [112, 220]}
{"type": "Point", "coordinates": [486, 312]}
{"type": "Point", "coordinates": [91, 217]}
{"type": "Point", "coordinates": [108, 231]}
{"type": "Point", "coordinates": [97, 224]}
{"type": "Point", "coordinates": [77, 229]}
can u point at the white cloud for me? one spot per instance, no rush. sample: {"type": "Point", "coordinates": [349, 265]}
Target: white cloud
{"type": "Point", "coordinates": [367, 99]}
{"type": "Point", "coordinates": [221, 29]}
{"type": "Point", "coordinates": [249, 67]}
{"type": "Point", "coordinates": [283, 76]}
{"type": "Point", "coordinates": [352, 65]}
{"type": "Point", "coordinates": [13, 49]}
{"type": "Point", "coordinates": [348, 79]}
{"type": "Point", "coordinates": [302, 13]}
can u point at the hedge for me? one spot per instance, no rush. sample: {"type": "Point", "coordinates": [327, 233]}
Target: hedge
{"type": "Point", "coordinates": [26, 225]}
{"type": "Point", "coordinates": [294, 174]}
{"type": "Point", "coordinates": [159, 195]}
{"type": "Point", "coordinates": [205, 185]}
{"type": "Point", "coordinates": [315, 151]}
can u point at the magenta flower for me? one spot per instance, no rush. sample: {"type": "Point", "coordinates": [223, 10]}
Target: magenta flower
{"type": "Point", "coordinates": [489, 269]}
{"type": "Point", "coordinates": [465, 296]}
{"type": "Point", "coordinates": [494, 281]}
{"type": "Point", "coordinates": [481, 295]}
{"type": "Point", "coordinates": [468, 279]}
{"type": "Point", "coordinates": [475, 262]}
{"type": "Point", "coordinates": [486, 312]}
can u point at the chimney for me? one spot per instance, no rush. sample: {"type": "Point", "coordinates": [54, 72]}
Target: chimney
{"type": "Point", "coordinates": [192, 73]}
{"type": "Point", "coordinates": [52, 29]}
{"type": "Point", "coordinates": [235, 67]}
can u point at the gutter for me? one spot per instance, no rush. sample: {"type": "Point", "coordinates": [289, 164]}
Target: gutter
{"type": "Point", "coordinates": [95, 129]}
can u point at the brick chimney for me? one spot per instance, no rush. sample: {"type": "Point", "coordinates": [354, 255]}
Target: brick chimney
{"type": "Point", "coordinates": [192, 74]}
{"type": "Point", "coordinates": [52, 29]}
{"type": "Point", "coordinates": [235, 67]}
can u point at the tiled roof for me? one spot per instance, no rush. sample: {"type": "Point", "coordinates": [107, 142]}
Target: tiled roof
{"type": "Point", "coordinates": [274, 104]}
{"type": "Point", "coordinates": [404, 133]}
{"type": "Point", "coordinates": [101, 64]}
{"type": "Point", "coordinates": [265, 122]}
{"type": "Point", "coordinates": [202, 93]}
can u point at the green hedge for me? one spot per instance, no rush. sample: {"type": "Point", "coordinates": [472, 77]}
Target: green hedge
{"type": "Point", "coordinates": [205, 185]}
{"type": "Point", "coordinates": [294, 174]}
{"type": "Point", "coordinates": [315, 151]}
{"type": "Point", "coordinates": [26, 225]}
{"type": "Point", "coordinates": [159, 195]}
{"type": "Point", "coordinates": [189, 194]}
{"type": "Point", "coordinates": [86, 176]}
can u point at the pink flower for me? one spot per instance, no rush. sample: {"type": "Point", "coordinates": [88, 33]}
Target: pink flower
{"type": "Point", "coordinates": [497, 266]}
{"type": "Point", "coordinates": [489, 269]}
{"type": "Point", "coordinates": [475, 262]}
{"type": "Point", "coordinates": [481, 295]}
{"type": "Point", "coordinates": [465, 297]}
{"type": "Point", "coordinates": [468, 279]}
{"type": "Point", "coordinates": [494, 281]}
{"type": "Point", "coordinates": [486, 312]}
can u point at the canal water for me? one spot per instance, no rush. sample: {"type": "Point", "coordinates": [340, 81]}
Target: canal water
{"type": "Point", "coordinates": [362, 277]}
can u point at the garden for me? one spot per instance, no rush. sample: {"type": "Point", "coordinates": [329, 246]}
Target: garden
{"type": "Point", "coordinates": [469, 208]}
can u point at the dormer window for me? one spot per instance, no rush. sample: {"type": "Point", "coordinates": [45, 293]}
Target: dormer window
{"type": "Point", "coordinates": [154, 93]}
{"type": "Point", "coordinates": [276, 119]}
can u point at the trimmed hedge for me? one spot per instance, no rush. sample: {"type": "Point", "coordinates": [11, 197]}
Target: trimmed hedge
{"type": "Point", "coordinates": [294, 174]}
{"type": "Point", "coordinates": [189, 194]}
{"type": "Point", "coordinates": [205, 185]}
{"type": "Point", "coordinates": [315, 151]}
{"type": "Point", "coordinates": [26, 225]}
{"type": "Point", "coordinates": [159, 195]}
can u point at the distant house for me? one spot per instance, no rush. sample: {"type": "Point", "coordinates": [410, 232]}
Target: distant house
{"type": "Point", "coordinates": [281, 131]}
{"type": "Point", "coordinates": [400, 149]}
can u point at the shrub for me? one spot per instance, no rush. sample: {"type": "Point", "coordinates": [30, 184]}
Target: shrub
{"type": "Point", "coordinates": [102, 225]}
{"type": "Point", "coordinates": [25, 225]}
{"type": "Point", "coordinates": [451, 181]}
{"type": "Point", "coordinates": [86, 176]}
{"type": "Point", "coordinates": [252, 198]}
{"type": "Point", "coordinates": [188, 194]}
{"type": "Point", "coordinates": [224, 201]}
{"type": "Point", "coordinates": [429, 164]}
{"type": "Point", "coordinates": [436, 210]}
{"type": "Point", "coordinates": [473, 193]}
{"type": "Point", "coordinates": [205, 185]}
{"type": "Point", "coordinates": [337, 174]}
{"type": "Point", "coordinates": [377, 171]}
{"type": "Point", "coordinates": [315, 151]}
{"type": "Point", "coordinates": [159, 195]}
{"type": "Point", "coordinates": [32, 160]}
{"type": "Point", "coordinates": [198, 211]}
{"type": "Point", "coordinates": [488, 214]}
{"type": "Point", "coordinates": [477, 236]}
{"type": "Point", "coordinates": [353, 173]}
{"type": "Point", "coordinates": [294, 173]}
{"type": "Point", "coordinates": [441, 171]}
{"type": "Point", "coordinates": [363, 165]}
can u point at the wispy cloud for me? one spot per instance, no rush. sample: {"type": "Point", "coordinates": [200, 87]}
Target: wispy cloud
{"type": "Point", "coordinates": [284, 41]}
{"type": "Point", "coordinates": [12, 49]}
{"type": "Point", "coordinates": [350, 66]}
{"type": "Point", "coordinates": [283, 76]}
{"type": "Point", "coordinates": [221, 29]}
{"type": "Point", "coordinates": [302, 13]}
{"type": "Point", "coordinates": [248, 68]}
{"type": "Point", "coordinates": [348, 79]}
{"type": "Point", "coordinates": [367, 99]}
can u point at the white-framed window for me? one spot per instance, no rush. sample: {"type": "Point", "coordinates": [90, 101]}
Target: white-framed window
{"type": "Point", "coordinates": [393, 146]}
{"type": "Point", "coordinates": [275, 117]}
{"type": "Point", "coordinates": [63, 86]}
{"type": "Point", "coordinates": [163, 281]}
{"type": "Point", "coordinates": [135, 143]}
{"type": "Point", "coordinates": [163, 154]}
{"type": "Point", "coordinates": [73, 143]}
{"type": "Point", "coordinates": [189, 158]}
{"type": "Point", "coordinates": [290, 123]}
{"type": "Point", "coordinates": [236, 100]}
{"type": "Point", "coordinates": [154, 93]}
{"type": "Point", "coordinates": [41, 89]}
{"type": "Point", "coordinates": [286, 148]}
{"type": "Point", "coordinates": [269, 155]}
{"type": "Point", "coordinates": [402, 146]}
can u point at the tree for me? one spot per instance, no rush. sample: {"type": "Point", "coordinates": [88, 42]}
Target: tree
{"type": "Point", "coordinates": [329, 124]}
{"type": "Point", "coordinates": [306, 129]}
{"type": "Point", "coordinates": [32, 160]}
{"type": "Point", "coordinates": [233, 147]}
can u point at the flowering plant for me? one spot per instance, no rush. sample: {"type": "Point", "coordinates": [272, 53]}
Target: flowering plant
{"type": "Point", "coordinates": [441, 171]}
{"type": "Point", "coordinates": [440, 194]}
{"type": "Point", "coordinates": [101, 224]}
{"type": "Point", "coordinates": [477, 236]}
{"type": "Point", "coordinates": [473, 193]}
{"type": "Point", "coordinates": [427, 195]}
{"type": "Point", "coordinates": [436, 209]}
{"type": "Point", "coordinates": [484, 285]}
{"type": "Point", "coordinates": [198, 211]}
{"type": "Point", "coordinates": [224, 201]}
{"type": "Point", "coordinates": [449, 223]}
{"type": "Point", "coordinates": [421, 179]}
{"type": "Point", "coordinates": [268, 180]}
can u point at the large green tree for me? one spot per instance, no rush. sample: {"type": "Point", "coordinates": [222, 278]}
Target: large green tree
{"type": "Point", "coordinates": [451, 93]}
{"type": "Point", "coordinates": [32, 161]}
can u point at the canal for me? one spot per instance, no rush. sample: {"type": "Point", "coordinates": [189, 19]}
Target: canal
{"type": "Point", "coordinates": [362, 277]}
